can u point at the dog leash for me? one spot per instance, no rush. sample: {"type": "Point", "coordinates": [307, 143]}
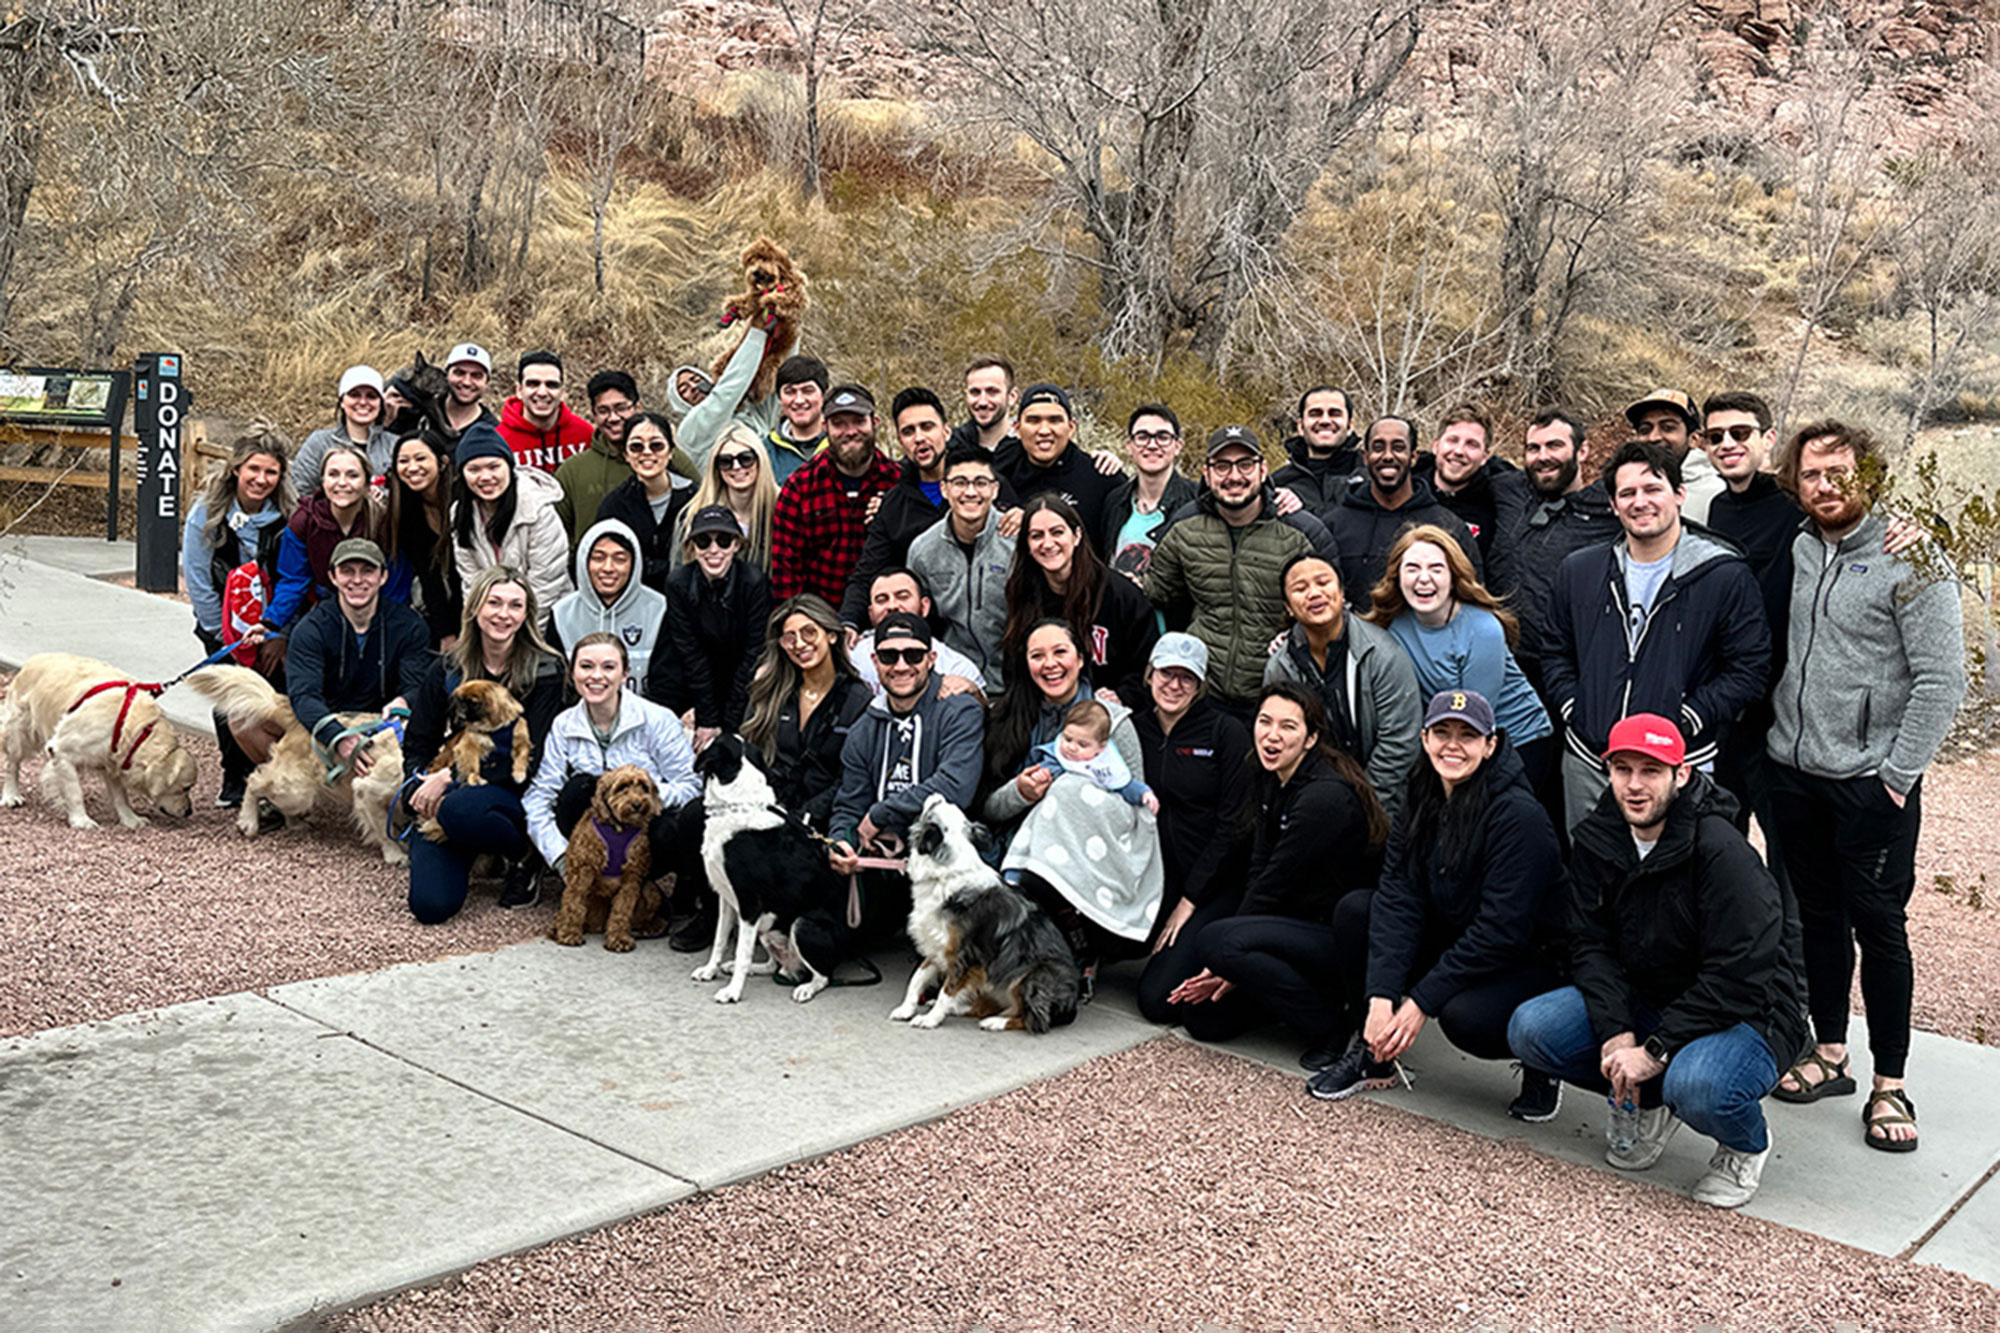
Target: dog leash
{"type": "Point", "coordinates": [363, 731]}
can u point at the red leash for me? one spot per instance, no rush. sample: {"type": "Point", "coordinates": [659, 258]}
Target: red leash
{"type": "Point", "coordinates": [131, 689]}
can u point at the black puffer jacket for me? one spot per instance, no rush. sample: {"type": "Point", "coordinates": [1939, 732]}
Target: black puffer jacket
{"type": "Point", "coordinates": [1491, 505]}
{"type": "Point", "coordinates": [1363, 531]}
{"type": "Point", "coordinates": [1550, 531]}
{"type": "Point", "coordinates": [1320, 483]}
{"type": "Point", "coordinates": [1693, 933]}
{"type": "Point", "coordinates": [1201, 773]}
{"type": "Point", "coordinates": [1498, 904]}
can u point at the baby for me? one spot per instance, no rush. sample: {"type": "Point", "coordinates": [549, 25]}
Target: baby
{"type": "Point", "coordinates": [1084, 748]}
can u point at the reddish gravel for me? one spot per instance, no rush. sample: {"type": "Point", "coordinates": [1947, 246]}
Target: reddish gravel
{"type": "Point", "coordinates": [1955, 912]}
{"type": "Point", "coordinates": [1172, 1186]}
{"type": "Point", "coordinates": [94, 924]}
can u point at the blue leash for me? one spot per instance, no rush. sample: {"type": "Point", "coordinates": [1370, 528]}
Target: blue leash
{"type": "Point", "coordinates": [214, 657]}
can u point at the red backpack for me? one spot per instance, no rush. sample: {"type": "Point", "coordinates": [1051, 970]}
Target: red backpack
{"type": "Point", "coordinates": [242, 607]}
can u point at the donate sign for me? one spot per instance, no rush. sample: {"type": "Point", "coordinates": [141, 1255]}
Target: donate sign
{"type": "Point", "coordinates": [159, 412]}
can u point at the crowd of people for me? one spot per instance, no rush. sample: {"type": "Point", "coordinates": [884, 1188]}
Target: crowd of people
{"type": "Point", "coordinates": [1389, 734]}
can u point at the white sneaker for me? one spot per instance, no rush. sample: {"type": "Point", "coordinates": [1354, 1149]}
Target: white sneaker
{"type": "Point", "coordinates": [1634, 1139]}
{"type": "Point", "coordinates": [1732, 1177]}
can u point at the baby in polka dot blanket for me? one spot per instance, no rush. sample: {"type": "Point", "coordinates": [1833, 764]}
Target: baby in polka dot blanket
{"type": "Point", "coordinates": [1084, 748]}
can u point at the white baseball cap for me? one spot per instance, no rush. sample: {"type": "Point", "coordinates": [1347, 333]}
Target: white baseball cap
{"type": "Point", "coordinates": [360, 377]}
{"type": "Point", "coordinates": [472, 352]}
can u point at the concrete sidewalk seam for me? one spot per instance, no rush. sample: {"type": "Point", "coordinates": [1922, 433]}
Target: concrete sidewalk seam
{"type": "Point", "coordinates": [1910, 1251]}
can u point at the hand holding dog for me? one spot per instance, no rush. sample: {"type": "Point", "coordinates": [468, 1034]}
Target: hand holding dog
{"type": "Point", "coordinates": [430, 793]}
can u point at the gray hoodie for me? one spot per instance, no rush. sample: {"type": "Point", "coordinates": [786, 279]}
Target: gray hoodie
{"type": "Point", "coordinates": [634, 617]}
{"type": "Point", "coordinates": [1877, 664]}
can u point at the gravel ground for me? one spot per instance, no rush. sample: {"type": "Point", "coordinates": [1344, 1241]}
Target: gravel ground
{"type": "Point", "coordinates": [1354, 1216]}
{"type": "Point", "coordinates": [1955, 911]}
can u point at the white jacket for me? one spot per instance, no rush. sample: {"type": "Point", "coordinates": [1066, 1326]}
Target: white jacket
{"type": "Point", "coordinates": [537, 543]}
{"type": "Point", "coordinates": [647, 735]}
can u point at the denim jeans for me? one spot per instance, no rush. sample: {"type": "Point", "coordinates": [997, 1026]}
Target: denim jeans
{"type": "Point", "coordinates": [1715, 1083]}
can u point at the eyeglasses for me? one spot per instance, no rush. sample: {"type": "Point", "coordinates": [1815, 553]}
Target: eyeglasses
{"type": "Point", "coordinates": [702, 541]}
{"type": "Point", "coordinates": [647, 446]}
{"type": "Point", "coordinates": [1158, 439]}
{"type": "Point", "coordinates": [979, 484]}
{"type": "Point", "coordinates": [1740, 433]}
{"type": "Point", "coordinates": [735, 462]}
{"type": "Point", "coordinates": [907, 656]}
{"type": "Point", "coordinates": [1242, 467]}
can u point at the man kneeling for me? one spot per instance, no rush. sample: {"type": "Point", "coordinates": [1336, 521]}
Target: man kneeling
{"type": "Point", "coordinates": [1686, 1005]}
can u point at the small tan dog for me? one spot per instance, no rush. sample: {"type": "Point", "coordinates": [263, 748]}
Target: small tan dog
{"type": "Point", "coordinates": [773, 299]}
{"type": "Point", "coordinates": [85, 714]}
{"type": "Point", "coordinates": [292, 778]}
{"type": "Point", "coordinates": [478, 709]}
{"type": "Point", "coordinates": [610, 859]}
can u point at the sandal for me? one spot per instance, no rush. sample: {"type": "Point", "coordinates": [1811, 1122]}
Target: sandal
{"type": "Point", "coordinates": [1902, 1111]}
{"type": "Point", "coordinates": [1833, 1080]}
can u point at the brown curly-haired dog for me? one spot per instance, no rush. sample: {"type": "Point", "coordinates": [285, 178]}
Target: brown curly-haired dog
{"type": "Point", "coordinates": [478, 709]}
{"type": "Point", "coordinates": [773, 299]}
{"type": "Point", "coordinates": [606, 869]}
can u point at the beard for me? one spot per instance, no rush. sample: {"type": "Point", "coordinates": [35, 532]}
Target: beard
{"type": "Point", "coordinates": [1549, 487]}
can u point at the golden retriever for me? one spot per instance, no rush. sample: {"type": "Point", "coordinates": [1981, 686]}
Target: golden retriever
{"type": "Point", "coordinates": [293, 779]}
{"type": "Point", "coordinates": [133, 746]}
{"type": "Point", "coordinates": [596, 893]}
{"type": "Point", "coordinates": [478, 709]}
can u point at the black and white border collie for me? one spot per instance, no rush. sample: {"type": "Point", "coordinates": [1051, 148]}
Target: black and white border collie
{"type": "Point", "coordinates": [997, 956]}
{"type": "Point", "coordinates": [765, 866]}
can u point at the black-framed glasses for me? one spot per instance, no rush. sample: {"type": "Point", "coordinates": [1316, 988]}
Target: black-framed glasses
{"type": "Point", "coordinates": [980, 484]}
{"type": "Point", "coordinates": [1157, 438]}
{"type": "Point", "coordinates": [735, 462]}
{"type": "Point", "coordinates": [702, 541]}
{"type": "Point", "coordinates": [907, 656]}
{"type": "Point", "coordinates": [1242, 467]}
{"type": "Point", "coordinates": [1740, 433]}
{"type": "Point", "coordinates": [647, 446]}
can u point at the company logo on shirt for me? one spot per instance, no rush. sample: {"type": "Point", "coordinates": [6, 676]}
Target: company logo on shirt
{"type": "Point", "coordinates": [1100, 644]}
{"type": "Point", "coordinates": [633, 634]}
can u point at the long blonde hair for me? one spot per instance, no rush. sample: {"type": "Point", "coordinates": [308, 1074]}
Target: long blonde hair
{"type": "Point", "coordinates": [262, 438]}
{"type": "Point", "coordinates": [1465, 584]}
{"type": "Point", "coordinates": [710, 490]}
{"type": "Point", "coordinates": [525, 658]}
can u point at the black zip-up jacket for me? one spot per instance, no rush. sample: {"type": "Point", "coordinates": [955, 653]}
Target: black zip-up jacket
{"type": "Point", "coordinates": [1073, 475]}
{"type": "Point", "coordinates": [709, 643]}
{"type": "Point", "coordinates": [1120, 637]}
{"type": "Point", "coordinates": [1694, 933]}
{"type": "Point", "coordinates": [806, 769]}
{"type": "Point", "coordinates": [1499, 906]}
{"type": "Point", "coordinates": [1363, 531]}
{"type": "Point", "coordinates": [1309, 846]}
{"type": "Point", "coordinates": [1762, 521]}
{"type": "Point", "coordinates": [1118, 508]}
{"type": "Point", "coordinates": [1702, 657]}
{"type": "Point", "coordinates": [1550, 532]}
{"type": "Point", "coordinates": [1201, 773]}
{"type": "Point", "coordinates": [906, 511]}
{"type": "Point", "coordinates": [627, 503]}
{"type": "Point", "coordinates": [1320, 483]}
{"type": "Point", "coordinates": [1491, 505]}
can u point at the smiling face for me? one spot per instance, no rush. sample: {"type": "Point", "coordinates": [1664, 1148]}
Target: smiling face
{"type": "Point", "coordinates": [1388, 455]}
{"type": "Point", "coordinates": [502, 614]}
{"type": "Point", "coordinates": [488, 478]}
{"type": "Point", "coordinates": [359, 582]}
{"type": "Point", "coordinates": [467, 381]}
{"type": "Point", "coordinates": [1461, 451]}
{"type": "Point", "coordinates": [715, 554]}
{"type": "Point", "coordinates": [1646, 503]}
{"type": "Point", "coordinates": [802, 640]}
{"type": "Point", "coordinates": [987, 395]}
{"type": "Point", "coordinates": [1280, 735]}
{"type": "Point", "coordinates": [257, 477]}
{"type": "Point", "coordinates": [541, 393]}
{"type": "Point", "coordinates": [1736, 444]}
{"type": "Point", "coordinates": [609, 567]}
{"type": "Point", "coordinates": [921, 433]}
{"type": "Point", "coordinates": [1830, 485]}
{"type": "Point", "coordinates": [1045, 431]}
{"type": "Point", "coordinates": [1323, 422]}
{"type": "Point", "coordinates": [1054, 663]}
{"type": "Point", "coordinates": [1425, 577]}
{"type": "Point", "coordinates": [1052, 542]}
{"type": "Point", "coordinates": [1173, 689]}
{"type": "Point", "coordinates": [609, 412]}
{"type": "Point", "coordinates": [361, 405]}
{"type": "Point", "coordinates": [1664, 425]}
{"type": "Point", "coordinates": [647, 451]}
{"type": "Point", "coordinates": [800, 403]}
{"type": "Point", "coordinates": [417, 465]}
{"type": "Point", "coordinates": [904, 667]}
{"type": "Point", "coordinates": [343, 478]}
{"type": "Point", "coordinates": [895, 592]}
{"type": "Point", "coordinates": [970, 489]}
{"type": "Point", "coordinates": [1154, 443]}
{"type": "Point", "coordinates": [1644, 787]}
{"type": "Point", "coordinates": [1313, 595]}
{"type": "Point", "coordinates": [1552, 459]}
{"type": "Point", "coordinates": [598, 672]}
{"type": "Point", "coordinates": [850, 437]}
{"type": "Point", "coordinates": [1456, 750]}
{"type": "Point", "coordinates": [1236, 476]}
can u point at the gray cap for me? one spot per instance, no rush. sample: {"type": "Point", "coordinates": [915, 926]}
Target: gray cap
{"type": "Point", "coordinates": [357, 548]}
{"type": "Point", "coordinates": [1467, 706]}
{"type": "Point", "coordinates": [1180, 650]}
{"type": "Point", "coordinates": [848, 399]}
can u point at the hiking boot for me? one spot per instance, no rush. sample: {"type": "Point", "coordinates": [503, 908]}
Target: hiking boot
{"type": "Point", "coordinates": [1357, 1070]}
{"type": "Point", "coordinates": [1732, 1177]}
{"type": "Point", "coordinates": [1634, 1139]}
{"type": "Point", "coordinates": [1540, 1098]}
{"type": "Point", "coordinates": [521, 886]}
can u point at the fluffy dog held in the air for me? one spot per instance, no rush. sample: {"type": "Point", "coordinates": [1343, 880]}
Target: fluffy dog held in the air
{"type": "Point", "coordinates": [86, 715]}
{"type": "Point", "coordinates": [994, 955]}
{"type": "Point", "coordinates": [607, 871]}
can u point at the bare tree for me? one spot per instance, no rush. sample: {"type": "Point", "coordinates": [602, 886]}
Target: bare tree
{"type": "Point", "coordinates": [818, 28]}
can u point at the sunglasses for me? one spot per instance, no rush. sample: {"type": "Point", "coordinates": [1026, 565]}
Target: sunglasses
{"type": "Point", "coordinates": [1739, 433]}
{"type": "Point", "coordinates": [736, 462]}
{"type": "Point", "coordinates": [704, 540]}
{"type": "Point", "coordinates": [647, 447]}
{"type": "Point", "coordinates": [907, 656]}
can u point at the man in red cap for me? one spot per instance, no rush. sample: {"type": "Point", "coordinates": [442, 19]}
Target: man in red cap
{"type": "Point", "coordinates": [1686, 1002]}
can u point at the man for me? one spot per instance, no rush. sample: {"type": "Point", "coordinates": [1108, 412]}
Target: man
{"type": "Point", "coordinates": [965, 560]}
{"type": "Point", "coordinates": [1326, 453]}
{"type": "Point", "coordinates": [467, 370]}
{"type": "Point", "coordinates": [1667, 417]}
{"type": "Point", "coordinates": [591, 473]}
{"type": "Point", "coordinates": [1667, 620]}
{"type": "Point", "coordinates": [914, 503]}
{"type": "Point", "coordinates": [1564, 516]}
{"type": "Point", "coordinates": [537, 425]}
{"type": "Point", "coordinates": [903, 589]}
{"type": "Point", "coordinates": [1139, 508]}
{"type": "Point", "coordinates": [1872, 684]}
{"type": "Point", "coordinates": [1685, 1002]}
{"type": "Point", "coordinates": [989, 404]}
{"type": "Point", "coordinates": [801, 427]}
{"type": "Point", "coordinates": [821, 518]}
{"type": "Point", "coordinates": [612, 597]}
{"type": "Point", "coordinates": [1488, 493]}
{"type": "Point", "coordinates": [1046, 459]}
{"type": "Point", "coordinates": [1216, 571]}
{"type": "Point", "coordinates": [354, 653]}
{"type": "Point", "coordinates": [1369, 517]}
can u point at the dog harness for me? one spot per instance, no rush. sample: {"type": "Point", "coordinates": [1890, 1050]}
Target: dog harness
{"type": "Point", "coordinates": [617, 845]}
{"type": "Point", "coordinates": [132, 689]}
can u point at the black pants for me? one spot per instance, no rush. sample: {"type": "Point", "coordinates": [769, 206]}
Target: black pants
{"type": "Point", "coordinates": [1283, 970]}
{"type": "Point", "coordinates": [236, 765]}
{"type": "Point", "coordinates": [1852, 857]}
{"type": "Point", "coordinates": [1178, 961]}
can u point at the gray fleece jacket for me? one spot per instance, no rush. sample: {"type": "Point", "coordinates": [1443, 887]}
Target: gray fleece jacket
{"type": "Point", "coordinates": [1877, 664]}
{"type": "Point", "coordinates": [968, 589]}
{"type": "Point", "coordinates": [1383, 700]}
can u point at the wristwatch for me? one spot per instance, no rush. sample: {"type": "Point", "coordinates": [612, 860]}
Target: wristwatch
{"type": "Point", "coordinates": [1658, 1050]}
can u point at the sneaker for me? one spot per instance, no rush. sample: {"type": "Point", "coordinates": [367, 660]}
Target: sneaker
{"type": "Point", "coordinates": [1315, 1058]}
{"type": "Point", "coordinates": [1732, 1177]}
{"type": "Point", "coordinates": [695, 931]}
{"type": "Point", "coordinates": [1355, 1071]}
{"type": "Point", "coordinates": [1634, 1139]}
{"type": "Point", "coordinates": [522, 885]}
{"type": "Point", "coordinates": [1541, 1097]}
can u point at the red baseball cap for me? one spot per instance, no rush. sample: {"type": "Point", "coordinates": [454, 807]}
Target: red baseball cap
{"type": "Point", "coordinates": [1651, 735]}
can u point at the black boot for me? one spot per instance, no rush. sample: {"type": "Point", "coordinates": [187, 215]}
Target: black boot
{"type": "Point", "coordinates": [695, 931]}
{"type": "Point", "coordinates": [236, 766]}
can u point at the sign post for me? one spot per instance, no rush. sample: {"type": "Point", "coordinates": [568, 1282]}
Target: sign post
{"type": "Point", "coordinates": [159, 411]}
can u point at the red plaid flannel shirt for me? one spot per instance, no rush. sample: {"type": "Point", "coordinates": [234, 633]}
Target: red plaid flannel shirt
{"type": "Point", "coordinates": [817, 532]}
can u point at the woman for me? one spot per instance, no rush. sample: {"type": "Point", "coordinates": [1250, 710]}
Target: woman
{"type": "Point", "coordinates": [716, 612]}
{"type": "Point", "coordinates": [342, 507]}
{"type": "Point", "coordinates": [1316, 833]}
{"type": "Point", "coordinates": [239, 520]}
{"type": "Point", "coordinates": [496, 642]}
{"type": "Point", "coordinates": [1091, 859]}
{"type": "Point", "coordinates": [1198, 761]}
{"type": "Point", "coordinates": [1459, 637]}
{"type": "Point", "coordinates": [650, 501]}
{"type": "Point", "coordinates": [504, 515]}
{"type": "Point", "coordinates": [1059, 575]}
{"type": "Point", "coordinates": [1462, 926]}
{"type": "Point", "coordinates": [417, 532]}
{"type": "Point", "coordinates": [804, 696]}
{"type": "Point", "coordinates": [609, 726]}
{"type": "Point", "coordinates": [737, 476]}
{"type": "Point", "coordinates": [609, 598]}
{"type": "Point", "coordinates": [358, 413]}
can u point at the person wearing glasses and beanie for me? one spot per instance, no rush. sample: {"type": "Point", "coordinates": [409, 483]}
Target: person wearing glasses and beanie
{"type": "Point", "coordinates": [651, 501]}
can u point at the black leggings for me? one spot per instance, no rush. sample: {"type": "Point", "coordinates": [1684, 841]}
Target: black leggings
{"type": "Point", "coordinates": [1178, 961]}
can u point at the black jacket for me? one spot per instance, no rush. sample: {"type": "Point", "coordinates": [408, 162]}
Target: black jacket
{"type": "Point", "coordinates": [1701, 659]}
{"type": "Point", "coordinates": [1363, 531]}
{"type": "Point", "coordinates": [1118, 507]}
{"type": "Point", "coordinates": [1550, 531]}
{"type": "Point", "coordinates": [627, 503]}
{"type": "Point", "coordinates": [1491, 505]}
{"type": "Point", "coordinates": [1694, 933]}
{"type": "Point", "coordinates": [906, 511]}
{"type": "Point", "coordinates": [1309, 846]}
{"type": "Point", "coordinates": [1320, 483]}
{"type": "Point", "coordinates": [1201, 773]}
{"type": "Point", "coordinates": [806, 768]}
{"type": "Point", "coordinates": [1073, 475]}
{"type": "Point", "coordinates": [1494, 912]}
{"type": "Point", "coordinates": [430, 721]}
{"type": "Point", "coordinates": [328, 671]}
{"type": "Point", "coordinates": [1762, 522]}
{"type": "Point", "coordinates": [709, 643]}
{"type": "Point", "coordinates": [1120, 638]}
